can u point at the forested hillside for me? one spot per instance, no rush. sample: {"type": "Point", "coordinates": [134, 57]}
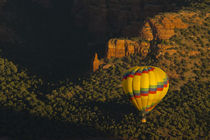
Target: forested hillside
{"type": "Point", "coordinates": [95, 107]}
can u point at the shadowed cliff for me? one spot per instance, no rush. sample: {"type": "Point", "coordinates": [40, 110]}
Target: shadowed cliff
{"type": "Point", "coordinates": [47, 43]}
{"type": "Point", "coordinates": [60, 40]}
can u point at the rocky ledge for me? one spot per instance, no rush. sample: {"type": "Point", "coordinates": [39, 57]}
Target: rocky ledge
{"type": "Point", "coordinates": [155, 35]}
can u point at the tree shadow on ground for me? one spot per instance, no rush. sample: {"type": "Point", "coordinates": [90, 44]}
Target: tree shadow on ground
{"type": "Point", "coordinates": [22, 125]}
{"type": "Point", "coordinates": [114, 109]}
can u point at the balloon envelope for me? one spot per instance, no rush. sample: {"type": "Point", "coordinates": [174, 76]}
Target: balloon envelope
{"type": "Point", "coordinates": [146, 86]}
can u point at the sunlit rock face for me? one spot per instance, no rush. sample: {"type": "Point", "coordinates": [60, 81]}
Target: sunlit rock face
{"type": "Point", "coordinates": [124, 47]}
{"type": "Point", "coordinates": [96, 62]}
{"type": "Point", "coordinates": [146, 32]}
{"type": "Point", "coordinates": [162, 27]}
{"type": "Point", "coordinates": [159, 29]}
{"type": "Point", "coordinates": [116, 48]}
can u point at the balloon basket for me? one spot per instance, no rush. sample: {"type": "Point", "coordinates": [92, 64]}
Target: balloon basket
{"type": "Point", "coordinates": [144, 120]}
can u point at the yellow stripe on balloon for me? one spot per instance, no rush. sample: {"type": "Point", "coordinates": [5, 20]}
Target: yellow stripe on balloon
{"type": "Point", "coordinates": [136, 87]}
{"type": "Point", "coordinates": [162, 75]}
{"type": "Point", "coordinates": [130, 94]}
{"type": "Point", "coordinates": [130, 87]}
{"type": "Point", "coordinates": [152, 83]}
{"type": "Point", "coordinates": [134, 102]}
{"type": "Point", "coordinates": [144, 85]}
{"type": "Point", "coordinates": [157, 77]}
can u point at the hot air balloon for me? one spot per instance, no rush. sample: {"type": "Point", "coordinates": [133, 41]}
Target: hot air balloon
{"type": "Point", "coordinates": [145, 86]}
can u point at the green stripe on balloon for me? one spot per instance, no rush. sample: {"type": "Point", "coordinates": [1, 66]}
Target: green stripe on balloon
{"type": "Point", "coordinates": [136, 91]}
{"type": "Point", "coordinates": [160, 83]}
{"type": "Point", "coordinates": [144, 89]}
{"type": "Point", "coordinates": [152, 86]}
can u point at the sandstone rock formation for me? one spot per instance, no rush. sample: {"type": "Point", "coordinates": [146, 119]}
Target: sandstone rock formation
{"type": "Point", "coordinates": [131, 47]}
{"type": "Point", "coordinates": [162, 27]}
{"type": "Point", "coordinates": [96, 62]}
{"type": "Point", "coordinates": [116, 48]}
{"type": "Point", "coordinates": [123, 47]}
{"type": "Point", "coordinates": [146, 32]}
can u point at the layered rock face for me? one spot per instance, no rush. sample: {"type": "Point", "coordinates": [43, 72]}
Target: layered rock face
{"type": "Point", "coordinates": [116, 48]}
{"type": "Point", "coordinates": [162, 27]}
{"type": "Point", "coordinates": [120, 48]}
{"type": "Point", "coordinates": [158, 29]}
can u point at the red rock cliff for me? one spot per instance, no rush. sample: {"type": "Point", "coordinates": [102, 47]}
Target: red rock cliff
{"type": "Point", "coordinates": [120, 48]}
{"type": "Point", "coordinates": [158, 29]}
{"type": "Point", "coordinates": [162, 27]}
{"type": "Point", "coordinates": [96, 62]}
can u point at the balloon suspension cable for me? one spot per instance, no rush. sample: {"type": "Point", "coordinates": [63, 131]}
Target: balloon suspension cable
{"type": "Point", "coordinates": [143, 118]}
